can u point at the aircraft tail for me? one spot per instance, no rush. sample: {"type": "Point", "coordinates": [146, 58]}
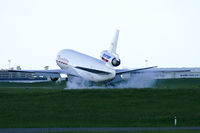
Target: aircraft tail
{"type": "Point", "coordinates": [110, 56]}
{"type": "Point", "coordinates": [113, 45]}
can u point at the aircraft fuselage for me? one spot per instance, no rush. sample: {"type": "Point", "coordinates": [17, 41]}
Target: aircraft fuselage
{"type": "Point", "coordinates": [87, 67]}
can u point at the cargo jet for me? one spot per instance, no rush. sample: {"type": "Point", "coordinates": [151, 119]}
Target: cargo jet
{"type": "Point", "coordinates": [89, 68]}
{"type": "Point", "coordinates": [85, 67]}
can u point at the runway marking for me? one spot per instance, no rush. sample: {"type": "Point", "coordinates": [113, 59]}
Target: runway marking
{"type": "Point", "coordinates": [92, 129]}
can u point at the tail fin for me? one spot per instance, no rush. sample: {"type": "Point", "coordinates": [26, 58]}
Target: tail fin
{"type": "Point", "coordinates": [113, 45]}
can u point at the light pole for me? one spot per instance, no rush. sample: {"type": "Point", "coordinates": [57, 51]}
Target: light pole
{"type": "Point", "coordinates": [146, 63]}
{"type": "Point", "coordinates": [9, 62]}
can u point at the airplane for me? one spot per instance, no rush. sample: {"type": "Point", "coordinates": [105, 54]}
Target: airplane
{"type": "Point", "coordinates": [86, 68]}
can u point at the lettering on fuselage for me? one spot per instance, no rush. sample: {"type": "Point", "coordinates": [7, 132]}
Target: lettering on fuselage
{"type": "Point", "coordinates": [62, 60]}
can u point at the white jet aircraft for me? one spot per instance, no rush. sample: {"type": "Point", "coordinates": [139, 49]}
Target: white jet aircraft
{"type": "Point", "coordinates": [89, 68]}
{"type": "Point", "coordinates": [84, 67]}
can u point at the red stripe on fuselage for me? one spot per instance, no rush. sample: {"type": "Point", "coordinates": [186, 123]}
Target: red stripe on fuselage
{"type": "Point", "coordinates": [104, 59]}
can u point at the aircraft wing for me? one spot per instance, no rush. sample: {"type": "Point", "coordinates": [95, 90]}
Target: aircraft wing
{"type": "Point", "coordinates": [171, 70]}
{"type": "Point", "coordinates": [121, 71]}
{"type": "Point", "coordinates": [153, 69]}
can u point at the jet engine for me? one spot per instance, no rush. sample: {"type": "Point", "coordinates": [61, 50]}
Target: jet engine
{"type": "Point", "coordinates": [115, 62]}
{"type": "Point", "coordinates": [110, 58]}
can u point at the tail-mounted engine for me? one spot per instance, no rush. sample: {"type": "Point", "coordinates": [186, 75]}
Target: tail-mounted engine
{"type": "Point", "coordinates": [111, 58]}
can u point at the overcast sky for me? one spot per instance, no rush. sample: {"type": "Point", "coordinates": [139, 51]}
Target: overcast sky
{"type": "Point", "coordinates": [164, 32]}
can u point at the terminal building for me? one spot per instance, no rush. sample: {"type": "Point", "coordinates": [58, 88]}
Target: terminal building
{"type": "Point", "coordinates": [5, 75]}
{"type": "Point", "coordinates": [177, 73]}
{"type": "Point", "coordinates": [159, 73]}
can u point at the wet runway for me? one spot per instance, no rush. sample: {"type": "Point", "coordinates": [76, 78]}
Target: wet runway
{"type": "Point", "coordinates": [101, 129]}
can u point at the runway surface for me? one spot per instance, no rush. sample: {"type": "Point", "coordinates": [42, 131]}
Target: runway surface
{"type": "Point", "coordinates": [101, 129]}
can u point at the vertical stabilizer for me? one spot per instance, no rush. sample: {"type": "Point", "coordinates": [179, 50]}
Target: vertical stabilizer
{"type": "Point", "coordinates": [110, 57]}
{"type": "Point", "coordinates": [113, 45]}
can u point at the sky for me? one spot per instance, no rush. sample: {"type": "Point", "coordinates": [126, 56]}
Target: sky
{"type": "Point", "coordinates": [164, 32]}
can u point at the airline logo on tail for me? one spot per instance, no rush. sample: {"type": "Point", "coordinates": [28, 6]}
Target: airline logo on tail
{"type": "Point", "coordinates": [105, 57]}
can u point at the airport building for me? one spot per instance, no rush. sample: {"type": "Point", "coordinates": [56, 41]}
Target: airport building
{"type": "Point", "coordinates": [5, 75]}
{"type": "Point", "coordinates": [160, 73]}
{"type": "Point", "coordinates": [177, 73]}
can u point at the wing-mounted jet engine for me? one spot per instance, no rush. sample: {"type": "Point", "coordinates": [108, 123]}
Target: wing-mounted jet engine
{"type": "Point", "coordinates": [110, 56]}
